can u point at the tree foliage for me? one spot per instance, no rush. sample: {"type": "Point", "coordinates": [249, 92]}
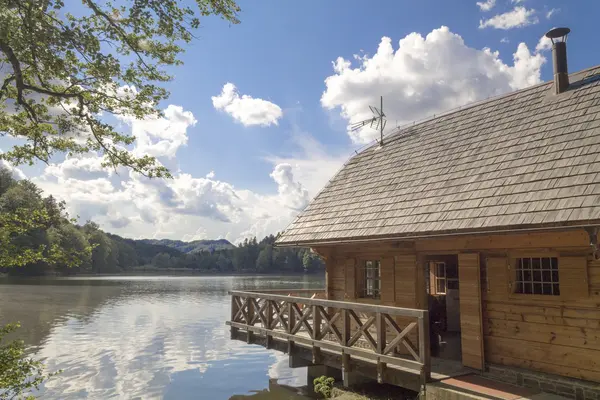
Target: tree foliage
{"type": "Point", "coordinates": [37, 236]}
{"type": "Point", "coordinates": [68, 68]}
{"type": "Point", "coordinates": [18, 373]}
{"type": "Point", "coordinates": [36, 231]}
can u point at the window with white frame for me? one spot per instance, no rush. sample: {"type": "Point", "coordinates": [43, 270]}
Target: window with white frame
{"type": "Point", "coordinates": [370, 280]}
{"type": "Point", "coordinates": [537, 275]}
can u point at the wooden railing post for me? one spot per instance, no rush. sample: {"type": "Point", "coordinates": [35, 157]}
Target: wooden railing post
{"type": "Point", "coordinates": [346, 334]}
{"type": "Point", "coordinates": [381, 344]}
{"type": "Point", "coordinates": [316, 334]}
{"type": "Point", "coordinates": [291, 324]}
{"type": "Point", "coordinates": [250, 334]}
{"type": "Point", "coordinates": [342, 330]}
{"type": "Point", "coordinates": [234, 311]}
{"type": "Point", "coordinates": [424, 347]}
{"type": "Point", "coordinates": [269, 322]}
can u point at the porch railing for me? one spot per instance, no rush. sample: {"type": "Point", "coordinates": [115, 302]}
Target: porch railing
{"type": "Point", "coordinates": [380, 334]}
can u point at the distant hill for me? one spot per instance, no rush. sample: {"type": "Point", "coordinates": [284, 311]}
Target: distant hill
{"type": "Point", "coordinates": [191, 247]}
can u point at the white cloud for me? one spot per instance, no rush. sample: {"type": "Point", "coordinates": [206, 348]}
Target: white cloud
{"type": "Point", "coordinates": [187, 207]}
{"type": "Point", "coordinates": [161, 136]}
{"type": "Point", "coordinates": [486, 5]}
{"type": "Point", "coordinates": [544, 44]}
{"type": "Point", "coordinates": [517, 18]}
{"type": "Point", "coordinates": [504, 40]}
{"type": "Point", "coordinates": [15, 172]}
{"type": "Point", "coordinates": [422, 77]}
{"type": "Point", "coordinates": [246, 109]}
{"type": "Point", "coordinates": [291, 193]}
{"type": "Point", "coordinates": [551, 12]}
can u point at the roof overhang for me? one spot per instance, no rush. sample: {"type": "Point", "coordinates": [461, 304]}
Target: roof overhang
{"type": "Point", "coordinates": [432, 235]}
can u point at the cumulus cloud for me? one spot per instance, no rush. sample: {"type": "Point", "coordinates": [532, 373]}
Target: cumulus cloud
{"type": "Point", "coordinates": [161, 136]}
{"type": "Point", "coordinates": [486, 5]}
{"type": "Point", "coordinates": [544, 44]}
{"type": "Point", "coordinates": [188, 207]}
{"type": "Point", "coordinates": [118, 220]}
{"type": "Point", "coordinates": [551, 12]}
{"type": "Point", "coordinates": [14, 171]}
{"type": "Point", "coordinates": [422, 77]}
{"type": "Point", "coordinates": [517, 18]}
{"type": "Point", "coordinates": [246, 109]}
{"type": "Point", "coordinates": [291, 193]}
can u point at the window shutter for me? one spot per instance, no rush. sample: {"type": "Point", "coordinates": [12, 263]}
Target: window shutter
{"type": "Point", "coordinates": [432, 275]}
{"type": "Point", "coordinates": [573, 278]}
{"type": "Point", "coordinates": [350, 279]}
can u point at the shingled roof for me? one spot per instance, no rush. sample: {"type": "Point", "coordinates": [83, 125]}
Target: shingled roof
{"type": "Point", "coordinates": [529, 159]}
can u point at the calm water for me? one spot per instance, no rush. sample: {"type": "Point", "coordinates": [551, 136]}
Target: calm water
{"type": "Point", "coordinates": [148, 337]}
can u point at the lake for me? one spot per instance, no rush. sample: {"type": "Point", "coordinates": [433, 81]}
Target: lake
{"type": "Point", "coordinates": [151, 337]}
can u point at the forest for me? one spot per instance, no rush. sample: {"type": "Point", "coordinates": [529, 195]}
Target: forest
{"type": "Point", "coordinates": [68, 248]}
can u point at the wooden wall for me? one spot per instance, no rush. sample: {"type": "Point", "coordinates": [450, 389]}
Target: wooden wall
{"type": "Point", "coordinates": [553, 334]}
{"type": "Point", "coordinates": [559, 335]}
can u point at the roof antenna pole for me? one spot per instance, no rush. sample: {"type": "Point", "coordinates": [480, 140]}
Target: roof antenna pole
{"type": "Point", "coordinates": [378, 121]}
{"type": "Point", "coordinates": [381, 123]}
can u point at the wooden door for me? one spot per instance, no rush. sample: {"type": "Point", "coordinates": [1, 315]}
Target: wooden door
{"type": "Point", "coordinates": [471, 327]}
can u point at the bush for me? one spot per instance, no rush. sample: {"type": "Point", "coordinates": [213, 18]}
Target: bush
{"type": "Point", "coordinates": [323, 386]}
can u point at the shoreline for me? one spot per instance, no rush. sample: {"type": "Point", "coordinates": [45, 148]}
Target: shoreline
{"type": "Point", "coordinates": [165, 272]}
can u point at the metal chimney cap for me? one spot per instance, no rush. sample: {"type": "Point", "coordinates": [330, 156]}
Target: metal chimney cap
{"type": "Point", "coordinates": [558, 33]}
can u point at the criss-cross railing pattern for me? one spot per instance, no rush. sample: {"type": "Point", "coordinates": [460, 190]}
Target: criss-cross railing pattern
{"type": "Point", "coordinates": [352, 329]}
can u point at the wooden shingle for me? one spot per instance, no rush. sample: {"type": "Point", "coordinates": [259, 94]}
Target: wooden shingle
{"type": "Point", "coordinates": [527, 159]}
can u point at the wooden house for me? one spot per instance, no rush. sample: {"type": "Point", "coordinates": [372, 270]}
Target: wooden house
{"type": "Point", "coordinates": [468, 241]}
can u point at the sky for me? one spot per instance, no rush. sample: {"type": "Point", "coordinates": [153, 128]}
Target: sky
{"type": "Point", "coordinates": [259, 113]}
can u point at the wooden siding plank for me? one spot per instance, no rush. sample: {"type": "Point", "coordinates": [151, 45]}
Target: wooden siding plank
{"type": "Point", "coordinates": [350, 278]}
{"type": "Point", "coordinates": [497, 272]}
{"type": "Point", "coordinates": [470, 310]}
{"type": "Point", "coordinates": [565, 356]}
{"type": "Point", "coordinates": [573, 278]}
{"type": "Point", "coordinates": [406, 280]}
{"type": "Point", "coordinates": [388, 284]}
{"type": "Point", "coordinates": [585, 338]}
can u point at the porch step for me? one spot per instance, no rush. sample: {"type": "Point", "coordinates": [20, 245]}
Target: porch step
{"type": "Point", "coordinates": [475, 387]}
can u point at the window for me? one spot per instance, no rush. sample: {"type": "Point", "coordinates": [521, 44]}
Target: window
{"type": "Point", "coordinates": [440, 277]}
{"type": "Point", "coordinates": [371, 280]}
{"type": "Point", "coordinates": [537, 275]}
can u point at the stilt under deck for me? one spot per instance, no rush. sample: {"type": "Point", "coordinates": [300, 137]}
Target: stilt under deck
{"type": "Point", "coordinates": [387, 344]}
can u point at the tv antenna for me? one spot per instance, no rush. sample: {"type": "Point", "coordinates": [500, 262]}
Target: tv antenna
{"type": "Point", "coordinates": [378, 121]}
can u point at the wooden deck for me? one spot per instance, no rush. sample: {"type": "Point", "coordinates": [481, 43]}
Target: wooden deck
{"type": "Point", "coordinates": [377, 341]}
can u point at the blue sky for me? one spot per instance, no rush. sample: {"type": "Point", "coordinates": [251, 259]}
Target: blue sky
{"type": "Point", "coordinates": [272, 151]}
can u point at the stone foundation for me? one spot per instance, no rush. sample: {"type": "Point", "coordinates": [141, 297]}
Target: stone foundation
{"type": "Point", "coordinates": [571, 388]}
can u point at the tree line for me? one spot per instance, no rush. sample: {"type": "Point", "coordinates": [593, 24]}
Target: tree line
{"type": "Point", "coordinates": [38, 237]}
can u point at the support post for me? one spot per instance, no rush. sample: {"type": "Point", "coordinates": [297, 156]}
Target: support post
{"type": "Point", "coordinates": [269, 322]}
{"type": "Point", "coordinates": [234, 310]}
{"type": "Point", "coordinates": [381, 345]}
{"type": "Point", "coordinates": [424, 347]}
{"type": "Point", "coordinates": [250, 334]}
{"type": "Point", "coordinates": [316, 334]}
{"type": "Point", "coordinates": [291, 324]}
{"type": "Point", "coordinates": [346, 334]}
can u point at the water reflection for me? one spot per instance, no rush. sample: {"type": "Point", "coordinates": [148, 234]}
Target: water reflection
{"type": "Point", "coordinates": [147, 337]}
